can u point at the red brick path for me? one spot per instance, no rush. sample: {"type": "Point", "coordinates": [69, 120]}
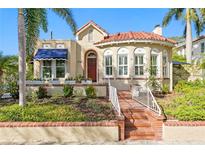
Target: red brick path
{"type": "Point", "coordinates": [140, 123]}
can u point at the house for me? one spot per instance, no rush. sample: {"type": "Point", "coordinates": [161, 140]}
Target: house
{"type": "Point", "coordinates": [197, 49]}
{"type": "Point", "coordinates": [125, 58]}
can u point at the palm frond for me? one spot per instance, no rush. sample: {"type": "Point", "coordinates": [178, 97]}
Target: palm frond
{"type": "Point", "coordinates": [176, 13]}
{"type": "Point", "coordinates": [197, 20]}
{"type": "Point", "coordinates": [34, 19]}
{"type": "Point", "coordinates": [67, 15]}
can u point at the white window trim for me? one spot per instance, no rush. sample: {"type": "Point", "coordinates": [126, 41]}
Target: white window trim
{"type": "Point", "coordinates": [46, 46]}
{"type": "Point", "coordinates": [123, 52]}
{"type": "Point", "coordinates": [60, 44]}
{"type": "Point", "coordinates": [108, 53]}
{"type": "Point", "coordinates": [64, 70]}
{"type": "Point", "coordinates": [53, 70]}
{"type": "Point", "coordinates": [140, 51]}
{"type": "Point", "coordinates": [156, 52]}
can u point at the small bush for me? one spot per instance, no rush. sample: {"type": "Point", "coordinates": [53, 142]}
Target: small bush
{"type": "Point", "coordinates": [42, 92]}
{"type": "Point", "coordinates": [78, 78]}
{"type": "Point", "coordinates": [79, 93]}
{"type": "Point", "coordinates": [90, 92]}
{"type": "Point", "coordinates": [13, 89]}
{"type": "Point", "coordinates": [165, 88]}
{"type": "Point", "coordinates": [68, 90]}
{"type": "Point", "coordinates": [34, 97]}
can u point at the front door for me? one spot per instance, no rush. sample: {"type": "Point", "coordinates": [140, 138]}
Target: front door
{"type": "Point", "coordinates": [91, 67]}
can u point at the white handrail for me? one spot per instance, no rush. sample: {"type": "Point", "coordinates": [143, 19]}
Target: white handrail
{"type": "Point", "coordinates": [113, 97]}
{"type": "Point", "coordinates": [146, 98]}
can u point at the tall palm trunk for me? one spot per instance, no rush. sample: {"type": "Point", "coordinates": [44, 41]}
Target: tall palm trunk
{"type": "Point", "coordinates": [22, 57]}
{"type": "Point", "coordinates": [188, 37]}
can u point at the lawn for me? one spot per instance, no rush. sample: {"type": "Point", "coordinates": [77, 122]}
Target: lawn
{"type": "Point", "coordinates": [186, 103]}
{"type": "Point", "coordinates": [58, 109]}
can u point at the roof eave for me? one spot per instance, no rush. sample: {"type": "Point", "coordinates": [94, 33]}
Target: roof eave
{"type": "Point", "coordinates": [135, 41]}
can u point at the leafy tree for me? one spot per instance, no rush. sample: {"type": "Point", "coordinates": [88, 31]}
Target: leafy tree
{"type": "Point", "coordinates": [189, 15]}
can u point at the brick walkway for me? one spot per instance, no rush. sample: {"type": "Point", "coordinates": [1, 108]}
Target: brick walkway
{"type": "Point", "coordinates": [140, 124]}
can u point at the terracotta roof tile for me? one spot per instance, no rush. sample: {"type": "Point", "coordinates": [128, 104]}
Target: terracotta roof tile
{"type": "Point", "coordinates": [135, 36]}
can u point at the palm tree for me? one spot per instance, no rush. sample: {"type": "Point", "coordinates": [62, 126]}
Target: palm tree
{"type": "Point", "coordinates": [29, 23]}
{"type": "Point", "coordinates": [190, 15]}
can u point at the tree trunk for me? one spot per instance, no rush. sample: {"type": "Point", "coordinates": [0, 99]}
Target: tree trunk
{"type": "Point", "coordinates": [22, 58]}
{"type": "Point", "coordinates": [188, 37]}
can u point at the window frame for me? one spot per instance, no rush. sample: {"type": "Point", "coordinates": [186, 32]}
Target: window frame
{"type": "Point", "coordinates": [42, 69]}
{"type": "Point", "coordinates": [155, 52]}
{"type": "Point", "coordinates": [123, 52]}
{"type": "Point", "coordinates": [46, 46]}
{"type": "Point", "coordinates": [139, 52]}
{"type": "Point", "coordinates": [108, 54]}
{"type": "Point", "coordinates": [56, 67]}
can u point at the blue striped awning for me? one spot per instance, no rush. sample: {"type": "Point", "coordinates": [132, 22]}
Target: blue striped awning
{"type": "Point", "coordinates": [49, 54]}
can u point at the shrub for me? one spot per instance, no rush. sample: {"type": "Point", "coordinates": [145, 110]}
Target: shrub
{"type": "Point", "coordinates": [90, 92]}
{"type": "Point", "coordinates": [42, 92]}
{"type": "Point", "coordinates": [153, 83]}
{"type": "Point", "coordinates": [165, 88]}
{"type": "Point", "coordinates": [78, 78]}
{"type": "Point", "coordinates": [13, 89]}
{"type": "Point", "coordinates": [68, 90]}
{"type": "Point", "coordinates": [79, 93]}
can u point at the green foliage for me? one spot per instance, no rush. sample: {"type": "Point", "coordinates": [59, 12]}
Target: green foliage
{"type": "Point", "coordinates": [178, 58]}
{"type": "Point", "coordinates": [42, 92]}
{"type": "Point", "coordinates": [79, 92]}
{"type": "Point", "coordinates": [79, 78]}
{"type": "Point", "coordinates": [153, 83]}
{"type": "Point", "coordinates": [90, 92]}
{"type": "Point", "coordinates": [68, 90]}
{"type": "Point", "coordinates": [189, 102]}
{"type": "Point", "coordinates": [165, 88]}
{"type": "Point", "coordinates": [40, 113]}
{"type": "Point", "coordinates": [13, 89]}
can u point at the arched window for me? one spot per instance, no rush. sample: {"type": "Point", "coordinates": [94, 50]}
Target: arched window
{"type": "Point", "coordinates": [155, 68]}
{"type": "Point", "coordinates": [165, 64]}
{"type": "Point", "coordinates": [139, 61]}
{"type": "Point", "coordinates": [108, 62]}
{"type": "Point", "coordinates": [123, 62]}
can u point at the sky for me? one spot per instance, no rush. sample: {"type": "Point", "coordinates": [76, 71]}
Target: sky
{"type": "Point", "coordinates": [112, 20]}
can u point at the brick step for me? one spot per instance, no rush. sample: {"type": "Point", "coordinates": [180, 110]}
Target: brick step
{"type": "Point", "coordinates": [139, 132]}
{"type": "Point", "coordinates": [137, 123]}
{"type": "Point", "coordinates": [136, 116]}
{"type": "Point", "coordinates": [133, 110]}
{"type": "Point", "coordinates": [140, 138]}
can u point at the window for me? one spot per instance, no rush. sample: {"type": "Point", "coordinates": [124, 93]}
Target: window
{"type": "Point", "coordinates": [139, 61]}
{"type": "Point", "coordinates": [46, 69]}
{"type": "Point", "coordinates": [46, 46]}
{"type": "Point", "coordinates": [202, 47]}
{"type": "Point", "coordinates": [154, 64]}
{"type": "Point", "coordinates": [123, 62]}
{"type": "Point", "coordinates": [60, 68]}
{"type": "Point", "coordinates": [139, 65]}
{"type": "Point", "coordinates": [90, 35]}
{"type": "Point", "coordinates": [60, 46]}
{"type": "Point", "coordinates": [108, 62]}
{"type": "Point", "coordinates": [165, 65]}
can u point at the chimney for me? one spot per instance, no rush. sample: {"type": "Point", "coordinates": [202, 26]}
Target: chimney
{"type": "Point", "coordinates": [157, 30]}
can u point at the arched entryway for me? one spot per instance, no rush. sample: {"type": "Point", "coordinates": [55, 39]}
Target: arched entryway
{"type": "Point", "coordinates": [91, 65]}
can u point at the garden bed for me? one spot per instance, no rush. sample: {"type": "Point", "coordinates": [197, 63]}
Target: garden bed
{"type": "Point", "coordinates": [186, 103]}
{"type": "Point", "coordinates": [58, 109]}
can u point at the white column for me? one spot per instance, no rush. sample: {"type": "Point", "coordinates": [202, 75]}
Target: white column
{"type": "Point", "coordinates": [170, 70]}
{"type": "Point", "coordinates": [53, 69]}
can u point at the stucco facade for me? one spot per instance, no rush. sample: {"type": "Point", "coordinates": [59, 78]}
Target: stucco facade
{"type": "Point", "coordinates": [85, 47]}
